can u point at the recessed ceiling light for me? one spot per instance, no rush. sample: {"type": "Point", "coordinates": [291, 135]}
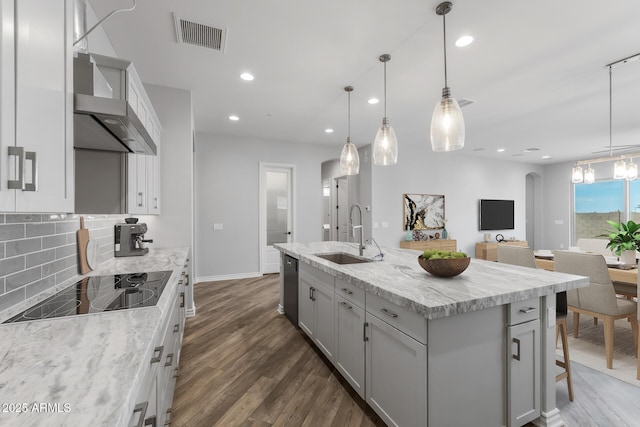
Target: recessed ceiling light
{"type": "Point", "coordinates": [246, 76]}
{"type": "Point", "coordinates": [234, 118]}
{"type": "Point", "coordinates": [546, 157]}
{"type": "Point", "coordinates": [501, 150]}
{"type": "Point", "coordinates": [478, 149]}
{"type": "Point", "coordinates": [373, 101]}
{"type": "Point", "coordinates": [328, 130]}
{"type": "Point", "coordinates": [517, 155]}
{"type": "Point", "coordinates": [464, 41]}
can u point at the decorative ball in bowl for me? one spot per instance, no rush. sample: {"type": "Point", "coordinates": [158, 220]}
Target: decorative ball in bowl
{"type": "Point", "coordinates": [444, 263]}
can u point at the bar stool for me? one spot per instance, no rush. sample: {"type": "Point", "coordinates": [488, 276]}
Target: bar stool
{"type": "Point", "coordinates": [561, 329]}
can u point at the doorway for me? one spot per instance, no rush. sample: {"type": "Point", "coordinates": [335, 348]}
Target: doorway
{"type": "Point", "coordinates": [342, 206]}
{"type": "Point", "coordinates": [276, 213]}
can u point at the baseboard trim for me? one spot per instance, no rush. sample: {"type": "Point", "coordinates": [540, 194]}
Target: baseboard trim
{"type": "Point", "coordinates": [190, 312]}
{"type": "Point", "coordinates": [550, 419]}
{"type": "Point", "coordinates": [228, 277]}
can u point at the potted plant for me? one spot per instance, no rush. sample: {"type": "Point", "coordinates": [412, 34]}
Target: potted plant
{"type": "Point", "coordinates": [624, 240]}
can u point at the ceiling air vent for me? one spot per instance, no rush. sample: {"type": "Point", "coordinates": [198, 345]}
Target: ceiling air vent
{"type": "Point", "coordinates": [202, 35]}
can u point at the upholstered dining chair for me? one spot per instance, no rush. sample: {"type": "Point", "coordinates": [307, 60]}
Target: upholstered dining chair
{"type": "Point", "coordinates": [598, 299]}
{"type": "Point", "coordinates": [523, 256]}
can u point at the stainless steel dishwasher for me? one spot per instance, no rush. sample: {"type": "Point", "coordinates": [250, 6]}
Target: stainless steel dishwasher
{"type": "Point", "coordinates": [291, 289]}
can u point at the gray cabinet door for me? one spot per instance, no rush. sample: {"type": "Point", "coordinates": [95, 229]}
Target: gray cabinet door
{"type": "Point", "coordinates": [524, 373]}
{"type": "Point", "coordinates": [350, 345]}
{"type": "Point", "coordinates": [324, 318]}
{"type": "Point", "coordinates": [396, 386]}
{"type": "Point", "coordinates": [305, 307]}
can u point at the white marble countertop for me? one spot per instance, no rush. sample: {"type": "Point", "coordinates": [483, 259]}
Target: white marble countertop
{"type": "Point", "coordinates": [87, 367]}
{"type": "Point", "coordinates": [400, 279]}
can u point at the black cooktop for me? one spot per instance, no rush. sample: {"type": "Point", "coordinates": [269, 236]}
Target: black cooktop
{"type": "Point", "coordinates": [98, 294]}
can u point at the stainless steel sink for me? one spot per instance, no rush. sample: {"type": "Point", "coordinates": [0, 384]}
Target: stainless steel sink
{"type": "Point", "coordinates": [343, 258]}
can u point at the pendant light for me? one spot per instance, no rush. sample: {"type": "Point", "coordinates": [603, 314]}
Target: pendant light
{"type": "Point", "coordinates": [385, 146]}
{"type": "Point", "coordinates": [349, 159]}
{"type": "Point", "coordinates": [632, 171]}
{"type": "Point", "coordinates": [589, 175]}
{"type": "Point", "coordinates": [576, 174]}
{"type": "Point", "coordinates": [447, 123]}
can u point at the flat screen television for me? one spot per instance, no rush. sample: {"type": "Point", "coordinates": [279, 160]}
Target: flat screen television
{"type": "Point", "coordinates": [496, 214]}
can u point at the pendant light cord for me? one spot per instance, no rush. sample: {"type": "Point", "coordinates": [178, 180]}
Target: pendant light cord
{"type": "Point", "coordinates": [444, 32]}
{"type": "Point", "coordinates": [349, 115]}
{"type": "Point", "coordinates": [385, 89]}
{"type": "Point", "coordinates": [610, 115]}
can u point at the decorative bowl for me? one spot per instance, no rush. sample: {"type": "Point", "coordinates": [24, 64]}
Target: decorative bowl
{"type": "Point", "coordinates": [444, 267]}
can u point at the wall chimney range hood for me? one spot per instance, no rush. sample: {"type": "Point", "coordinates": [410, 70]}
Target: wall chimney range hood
{"type": "Point", "coordinates": [104, 118]}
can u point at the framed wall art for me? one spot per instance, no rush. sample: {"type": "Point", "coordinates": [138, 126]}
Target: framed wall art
{"type": "Point", "coordinates": [423, 211]}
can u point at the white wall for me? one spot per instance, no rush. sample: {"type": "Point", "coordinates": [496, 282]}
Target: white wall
{"type": "Point", "coordinates": [98, 40]}
{"type": "Point", "coordinates": [227, 192]}
{"type": "Point", "coordinates": [174, 226]}
{"type": "Point", "coordinates": [462, 179]}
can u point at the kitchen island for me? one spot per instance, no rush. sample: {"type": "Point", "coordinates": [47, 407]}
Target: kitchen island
{"type": "Point", "coordinates": [91, 369]}
{"type": "Point", "coordinates": [475, 349]}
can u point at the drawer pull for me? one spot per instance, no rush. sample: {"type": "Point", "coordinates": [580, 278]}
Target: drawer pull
{"type": "Point", "coordinates": [182, 296]}
{"type": "Point", "coordinates": [389, 313]}
{"type": "Point", "coordinates": [169, 361]}
{"type": "Point", "coordinates": [151, 421]}
{"type": "Point", "coordinates": [176, 327]}
{"type": "Point", "coordinates": [167, 417]}
{"type": "Point", "coordinates": [528, 310]}
{"type": "Point", "coordinates": [364, 331]}
{"type": "Point", "coordinates": [142, 408]}
{"type": "Point", "coordinates": [158, 351]}
{"type": "Point", "coordinates": [175, 374]}
{"type": "Point", "coordinates": [517, 342]}
{"type": "Point", "coordinates": [347, 291]}
{"type": "Point", "coordinates": [346, 305]}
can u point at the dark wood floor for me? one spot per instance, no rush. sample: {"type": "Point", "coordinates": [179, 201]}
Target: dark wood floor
{"type": "Point", "coordinates": [243, 364]}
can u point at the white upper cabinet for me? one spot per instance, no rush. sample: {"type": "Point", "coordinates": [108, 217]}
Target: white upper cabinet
{"type": "Point", "coordinates": [36, 106]}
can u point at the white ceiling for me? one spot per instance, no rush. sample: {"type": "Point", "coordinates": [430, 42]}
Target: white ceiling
{"type": "Point", "coordinates": [536, 70]}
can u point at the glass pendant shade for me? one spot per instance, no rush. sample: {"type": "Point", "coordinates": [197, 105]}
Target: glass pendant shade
{"type": "Point", "coordinates": [620, 170]}
{"type": "Point", "coordinates": [576, 175]}
{"type": "Point", "coordinates": [589, 175]}
{"type": "Point", "coordinates": [632, 171]}
{"type": "Point", "coordinates": [349, 159]}
{"type": "Point", "coordinates": [447, 124]}
{"type": "Point", "coordinates": [385, 146]}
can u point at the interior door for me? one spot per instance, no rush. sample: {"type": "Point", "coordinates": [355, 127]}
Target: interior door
{"type": "Point", "coordinates": [342, 209]}
{"type": "Point", "coordinates": [277, 217]}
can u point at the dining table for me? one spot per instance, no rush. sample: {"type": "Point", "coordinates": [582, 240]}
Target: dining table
{"type": "Point", "coordinates": [617, 273]}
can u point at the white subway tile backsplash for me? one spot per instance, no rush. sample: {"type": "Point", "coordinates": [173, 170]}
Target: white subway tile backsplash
{"type": "Point", "coordinates": [11, 232]}
{"type": "Point", "coordinates": [39, 251]}
{"type": "Point", "coordinates": [21, 247]}
{"type": "Point", "coordinates": [40, 229]}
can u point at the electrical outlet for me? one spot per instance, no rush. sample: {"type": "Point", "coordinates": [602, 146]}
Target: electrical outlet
{"type": "Point", "coordinates": [385, 224]}
{"type": "Point", "coordinates": [218, 226]}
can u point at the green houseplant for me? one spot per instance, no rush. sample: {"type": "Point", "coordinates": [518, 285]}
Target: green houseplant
{"type": "Point", "coordinates": [624, 239]}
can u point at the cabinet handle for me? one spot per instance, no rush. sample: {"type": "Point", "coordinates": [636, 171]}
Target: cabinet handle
{"type": "Point", "coordinates": [517, 342]}
{"type": "Point", "coordinates": [17, 184]}
{"type": "Point", "coordinates": [140, 202]}
{"type": "Point", "coordinates": [157, 358]}
{"type": "Point", "coordinates": [155, 203]}
{"type": "Point", "coordinates": [151, 421]}
{"type": "Point", "coordinates": [346, 305]}
{"type": "Point", "coordinates": [167, 417]}
{"type": "Point", "coordinates": [33, 186]}
{"type": "Point", "coordinates": [364, 331]}
{"type": "Point", "coordinates": [347, 291]}
{"type": "Point", "coordinates": [528, 310]}
{"type": "Point", "coordinates": [169, 361]}
{"type": "Point", "coordinates": [187, 280]}
{"type": "Point", "coordinates": [176, 327]}
{"type": "Point", "coordinates": [389, 313]}
{"type": "Point", "coordinates": [142, 408]}
{"type": "Point", "coordinates": [175, 373]}
{"type": "Point", "coordinates": [182, 296]}
{"type": "Point", "coordinates": [313, 293]}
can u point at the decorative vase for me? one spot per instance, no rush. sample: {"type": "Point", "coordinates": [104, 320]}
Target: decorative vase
{"type": "Point", "coordinates": [628, 257]}
{"type": "Point", "coordinates": [445, 234]}
{"type": "Point", "coordinates": [408, 236]}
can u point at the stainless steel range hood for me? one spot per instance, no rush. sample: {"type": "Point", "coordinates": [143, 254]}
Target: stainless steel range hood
{"type": "Point", "coordinates": [104, 119]}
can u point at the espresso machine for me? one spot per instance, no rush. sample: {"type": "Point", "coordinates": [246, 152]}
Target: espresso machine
{"type": "Point", "coordinates": [129, 239]}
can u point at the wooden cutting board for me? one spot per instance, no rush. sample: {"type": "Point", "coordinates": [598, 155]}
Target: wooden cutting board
{"type": "Point", "coordinates": [83, 241]}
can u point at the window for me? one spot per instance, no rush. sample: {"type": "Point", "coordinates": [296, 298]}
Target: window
{"type": "Point", "coordinates": [595, 203]}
